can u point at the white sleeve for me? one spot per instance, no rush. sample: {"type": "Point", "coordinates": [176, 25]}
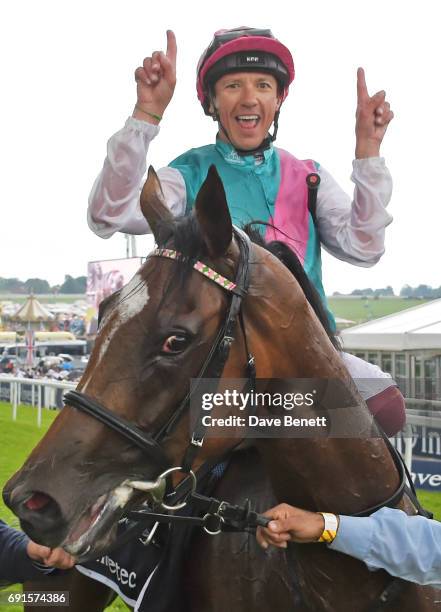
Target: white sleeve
{"type": "Point", "coordinates": [369, 378]}
{"type": "Point", "coordinates": [114, 199]}
{"type": "Point", "coordinates": [354, 231]}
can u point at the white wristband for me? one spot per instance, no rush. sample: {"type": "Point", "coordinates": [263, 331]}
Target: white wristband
{"type": "Point", "coordinates": [331, 527]}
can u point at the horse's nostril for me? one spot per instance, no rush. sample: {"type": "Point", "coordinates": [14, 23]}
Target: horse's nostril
{"type": "Point", "coordinates": [37, 501]}
{"type": "Point", "coordinates": [40, 517]}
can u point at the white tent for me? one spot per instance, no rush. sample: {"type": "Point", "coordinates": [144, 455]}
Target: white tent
{"type": "Point", "coordinates": [416, 328]}
{"type": "Point", "coordinates": [32, 311]}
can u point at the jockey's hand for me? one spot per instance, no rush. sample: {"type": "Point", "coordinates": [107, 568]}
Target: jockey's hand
{"type": "Point", "coordinates": [290, 524]}
{"type": "Point", "coordinates": [372, 117]}
{"type": "Point", "coordinates": [155, 82]}
{"type": "Point", "coordinates": [52, 557]}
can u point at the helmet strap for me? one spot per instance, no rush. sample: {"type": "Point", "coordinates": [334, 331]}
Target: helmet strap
{"type": "Point", "coordinates": [273, 136]}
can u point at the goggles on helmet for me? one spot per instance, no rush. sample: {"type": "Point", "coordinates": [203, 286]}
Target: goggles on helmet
{"type": "Point", "coordinates": [224, 36]}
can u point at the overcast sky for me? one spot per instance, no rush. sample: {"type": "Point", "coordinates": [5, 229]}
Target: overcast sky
{"type": "Point", "coordinates": [67, 84]}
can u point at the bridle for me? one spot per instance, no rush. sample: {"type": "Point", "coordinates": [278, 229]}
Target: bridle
{"type": "Point", "coordinates": [240, 518]}
{"type": "Point", "coordinates": [213, 367]}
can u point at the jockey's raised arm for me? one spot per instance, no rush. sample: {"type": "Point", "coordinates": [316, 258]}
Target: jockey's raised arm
{"type": "Point", "coordinates": [155, 83]}
{"type": "Point", "coordinates": [373, 116]}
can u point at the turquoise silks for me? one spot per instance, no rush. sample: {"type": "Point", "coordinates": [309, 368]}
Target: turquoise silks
{"type": "Point", "coordinates": [270, 188]}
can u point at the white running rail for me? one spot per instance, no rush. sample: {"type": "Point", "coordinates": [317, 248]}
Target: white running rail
{"type": "Point", "coordinates": [43, 392]}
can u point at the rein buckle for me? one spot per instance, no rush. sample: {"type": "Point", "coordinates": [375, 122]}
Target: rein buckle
{"type": "Point", "coordinates": [225, 345]}
{"type": "Point", "coordinates": [197, 441]}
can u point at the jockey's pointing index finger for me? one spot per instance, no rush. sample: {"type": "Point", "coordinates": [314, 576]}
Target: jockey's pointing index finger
{"type": "Point", "coordinates": [362, 92]}
{"type": "Point", "coordinates": [171, 46]}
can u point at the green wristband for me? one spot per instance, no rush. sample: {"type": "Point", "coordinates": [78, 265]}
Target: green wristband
{"type": "Point", "coordinates": [153, 115]}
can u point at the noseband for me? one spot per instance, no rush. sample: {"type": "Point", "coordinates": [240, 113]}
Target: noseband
{"type": "Point", "coordinates": [213, 366]}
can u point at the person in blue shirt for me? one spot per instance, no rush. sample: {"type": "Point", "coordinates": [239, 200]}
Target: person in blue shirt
{"type": "Point", "coordinates": [22, 559]}
{"type": "Point", "coordinates": [408, 547]}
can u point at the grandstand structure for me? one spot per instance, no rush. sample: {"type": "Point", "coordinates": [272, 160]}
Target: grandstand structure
{"type": "Point", "coordinates": [406, 344]}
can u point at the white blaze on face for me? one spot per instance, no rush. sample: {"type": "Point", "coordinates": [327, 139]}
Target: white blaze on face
{"type": "Point", "coordinates": [133, 298]}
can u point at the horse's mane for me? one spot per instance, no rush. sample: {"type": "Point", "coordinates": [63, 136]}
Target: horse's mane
{"type": "Point", "coordinates": [187, 239]}
{"type": "Point", "coordinates": [290, 260]}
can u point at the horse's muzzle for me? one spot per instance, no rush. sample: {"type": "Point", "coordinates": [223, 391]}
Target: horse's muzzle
{"type": "Point", "coordinates": [40, 515]}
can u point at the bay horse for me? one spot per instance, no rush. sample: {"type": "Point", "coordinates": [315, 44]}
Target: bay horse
{"type": "Point", "coordinates": [170, 324]}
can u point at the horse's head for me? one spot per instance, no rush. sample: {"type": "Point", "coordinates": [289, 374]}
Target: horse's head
{"type": "Point", "coordinates": [155, 334]}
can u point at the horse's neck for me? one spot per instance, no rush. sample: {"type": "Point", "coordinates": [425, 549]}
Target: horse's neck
{"type": "Point", "coordinates": [342, 474]}
{"type": "Point", "coordinates": [338, 475]}
{"type": "Point", "coordinates": [345, 475]}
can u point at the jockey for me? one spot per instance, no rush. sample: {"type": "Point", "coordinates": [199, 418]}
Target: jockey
{"type": "Point", "coordinates": [243, 77]}
{"type": "Point", "coordinates": [242, 80]}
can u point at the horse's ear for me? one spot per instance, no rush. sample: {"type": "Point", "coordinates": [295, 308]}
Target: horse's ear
{"type": "Point", "coordinates": [153, 205]}
{"type": "Point", "coordinates": [213, 215]}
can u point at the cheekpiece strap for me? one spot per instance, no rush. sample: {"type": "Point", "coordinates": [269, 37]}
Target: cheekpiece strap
{"type": "Point", "coordinates": [214, 276]}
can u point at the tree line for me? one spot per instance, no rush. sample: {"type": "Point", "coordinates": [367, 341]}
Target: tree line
{"type": "Point", "coordinates": [421, 291]}
{"type": "Point", "coordinates": [78, 285]}
{"type": "Point", "coordinates": [39, 285]}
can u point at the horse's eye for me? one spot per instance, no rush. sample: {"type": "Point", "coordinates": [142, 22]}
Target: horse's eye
{"type": "Point", "coordinates": [174, 344]}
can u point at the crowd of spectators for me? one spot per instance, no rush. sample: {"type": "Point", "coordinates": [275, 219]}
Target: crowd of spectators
{"type": "Point", "coordinates": [71, 323]}
{"type": "Point", "coordinates": [52, 367]}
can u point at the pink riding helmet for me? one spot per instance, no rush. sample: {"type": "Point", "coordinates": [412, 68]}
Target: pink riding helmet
{"type": "Point", "coordinates": [243, 49]}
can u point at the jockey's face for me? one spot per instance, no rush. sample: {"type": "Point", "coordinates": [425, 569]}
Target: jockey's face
{"type": "Point", "coordinates": [246, 103]}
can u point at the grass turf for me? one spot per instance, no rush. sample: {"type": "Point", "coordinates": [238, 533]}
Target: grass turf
{"type": "Point", "coordinates": [359, 309]}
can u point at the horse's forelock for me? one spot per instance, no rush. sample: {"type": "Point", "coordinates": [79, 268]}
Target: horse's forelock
{"type": "Point", "coordinates": [185, 236]}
